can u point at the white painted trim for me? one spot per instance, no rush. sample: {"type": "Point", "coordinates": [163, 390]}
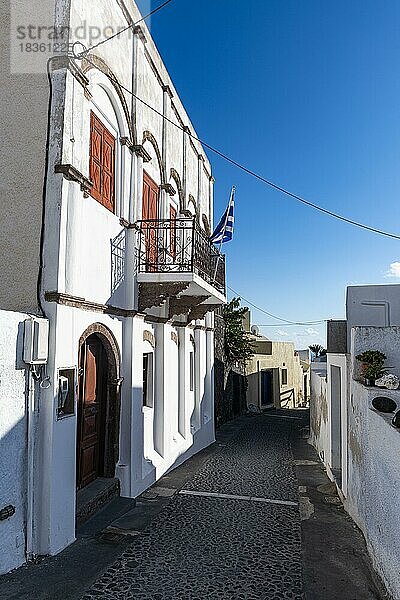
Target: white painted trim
{"type": "Point", "coordinates": [235, 497]}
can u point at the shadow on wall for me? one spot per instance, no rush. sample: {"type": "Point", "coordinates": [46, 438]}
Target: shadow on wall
{"type": "Point", "coordinates": [229, 392]}
{"type": "Point", "coordinates": [13, 454]}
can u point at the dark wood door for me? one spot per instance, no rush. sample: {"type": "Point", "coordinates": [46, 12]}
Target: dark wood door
{"type": "Point", "coordinates": [150, 214]}
{"type": "Point", "coordinates": [266, 388]}
{"type": "Point", "coordinates": [91, 413]}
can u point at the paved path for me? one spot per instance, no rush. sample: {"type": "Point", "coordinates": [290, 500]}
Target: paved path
{"type": "Point", "coordinates": [253, 517]}
{"type": "Point", "coordinates": [211, 547]}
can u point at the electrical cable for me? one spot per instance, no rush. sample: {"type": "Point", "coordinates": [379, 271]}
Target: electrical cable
{"type": "Point", "coordinates": [247, 170]}
{"type": "Point", "coordinates": [153, 12]}
{"type": "Point", "coordinates": [290, 324]}
{"type": "Point", "coordinates": [272, 315]}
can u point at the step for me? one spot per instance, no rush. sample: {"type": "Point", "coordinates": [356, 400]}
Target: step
{"type": "Point", "coordinates": [95, 496]}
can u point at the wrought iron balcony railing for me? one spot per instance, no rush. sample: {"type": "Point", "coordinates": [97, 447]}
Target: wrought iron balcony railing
{"type": "Point", "coordinates": [179, 246]}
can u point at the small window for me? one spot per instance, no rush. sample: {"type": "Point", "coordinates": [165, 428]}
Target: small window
{"type": "Point", "coordinates": [148, 379]}
{"type": "Point", "coordinates": [191, 367]}
{"type": "Point", "coordinates": [284, 376]}
{"type": "Point", "coordinates": [102, 163]}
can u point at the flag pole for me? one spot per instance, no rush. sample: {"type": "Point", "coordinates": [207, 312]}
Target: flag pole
{"type": "Point", "coordinates": [220, 244]}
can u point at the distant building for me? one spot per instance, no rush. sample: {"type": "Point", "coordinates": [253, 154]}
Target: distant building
{"type": "Point", "coordinates": [277, 374]}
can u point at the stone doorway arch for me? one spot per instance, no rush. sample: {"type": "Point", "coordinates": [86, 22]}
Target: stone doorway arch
{"type": "Point", "coordinates": [99, 403]}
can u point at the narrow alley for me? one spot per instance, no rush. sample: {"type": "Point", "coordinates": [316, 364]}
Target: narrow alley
{"type": "Point", "coordinates": [252, 517]}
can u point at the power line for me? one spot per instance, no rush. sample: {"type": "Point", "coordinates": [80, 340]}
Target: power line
{"type": "Point", "coordinates": [249, 171]}
{"type": "Point", "coordinates": [153, 12]}
{"type": "Point", "coordinates": [291, 324]}
{"type": "Point", "coordinates": [272, 315]}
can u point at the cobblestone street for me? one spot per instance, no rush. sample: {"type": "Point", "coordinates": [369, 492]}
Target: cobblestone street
{"type": "Point", "coordinates": [227, 524]}
{"type": "Point", "coordinates": [213, 547]}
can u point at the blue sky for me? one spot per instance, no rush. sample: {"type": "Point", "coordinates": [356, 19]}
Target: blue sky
{"type": "Point", "coordinates": [307, 93]}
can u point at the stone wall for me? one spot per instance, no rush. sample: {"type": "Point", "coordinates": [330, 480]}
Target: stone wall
{"type": "Point", "coordinates": [230, 385]}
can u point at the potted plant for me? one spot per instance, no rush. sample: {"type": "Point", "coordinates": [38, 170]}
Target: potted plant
{"type": "Point", "coordinates": [372, 365]}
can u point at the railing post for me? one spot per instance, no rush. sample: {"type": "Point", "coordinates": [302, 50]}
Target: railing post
{"type": "Point", "coordinates": [193, 244]}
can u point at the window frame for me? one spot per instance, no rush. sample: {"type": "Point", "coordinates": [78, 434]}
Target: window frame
{"type": "Point", "coordinates": [106, 137]}
{"type": "Point", "coordinates": [148, 386]}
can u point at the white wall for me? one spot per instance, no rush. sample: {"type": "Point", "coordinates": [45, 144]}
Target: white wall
{"type": "Point", "coordinates": [13, 440]}
{"type": "Point", "coordinates": [372, 305]}
{"type": "Point", "coordinates": [373, 498]}
{"type": "Point", "coordinates": [319, 412]}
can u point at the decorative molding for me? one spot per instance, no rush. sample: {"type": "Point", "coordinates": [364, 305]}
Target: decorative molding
{"type": "Point", "coordinates": [82, 303]}
{"type": "Point", "coordinates": [125, 141]}
{"type": "Point", "coordinates": [178, 116]}
{"type": "Point", "coordinates": [184, 305]}
{"type": "Point", "coordinates": [191, 200]}
{"type": "Point", "coordinates": [206, 225]}
{"type": "Point", "coordinates": [149, 137]}
{"type": "Point", "coordinates": [149, 337]}
{"type": "Point", "coordinates": [65, 62]}
{"type": "Point", "coordinates": [174, 337]}
{"type": "Point", "coordinates": [124, 223]}
{"type": "Point", "coordinates": [140, 33]}
{"type": "Point", "coordinates": [200, 311]}
{"type": "Point", "coordinates": [139, 150]}
{"type": "Point", "coordinates": [168, 188]}
{"type": "Point", "coordinates": [154, 319]}
{"type": "Point", "coordinates": [155, 294]}
{"type": "Point", "coordinates": [101, 65]}
{"type": "Point", "coordinates": [167, 89]}
{"type": "Point", "coordinates": [103, 331]}
{"type": "Point", "coordinates": [175, 176]}
{"type": "Point", "coordinates": [72, 174]}
{"type": "Point", "coordinates": [153, 67]}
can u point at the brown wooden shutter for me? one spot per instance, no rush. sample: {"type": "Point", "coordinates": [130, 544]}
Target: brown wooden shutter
{"type": "Point", "coordinates": [102, 163]}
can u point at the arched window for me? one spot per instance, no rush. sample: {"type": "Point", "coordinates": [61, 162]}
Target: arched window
{"type": "Point", "coordinates": [108, 125]}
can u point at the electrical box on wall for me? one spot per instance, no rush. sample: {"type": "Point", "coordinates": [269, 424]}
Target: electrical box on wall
{"type": "Point", "coordinates": [36, 341]}
{"type": "Point", "coordinates": [67, 382]}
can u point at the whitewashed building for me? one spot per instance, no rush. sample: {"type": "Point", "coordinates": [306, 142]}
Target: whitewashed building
{"type": "Point", "coordinates": [108, 239]}
{"type": "Point", "coordinates": [352, 433]}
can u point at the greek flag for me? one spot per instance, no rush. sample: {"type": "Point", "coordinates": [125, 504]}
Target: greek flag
{"type": "Point", "coordinates": [224, 230]}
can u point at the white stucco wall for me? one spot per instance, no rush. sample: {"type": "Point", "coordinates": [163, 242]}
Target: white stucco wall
{"type": "Point", "coordinates": [13, 440]}
{"type": "Point", "coordinates": [372, 305]}
{"type": "Point", "coordinates": [319, 425]}
{"type": "Point", "coordinates": [78, 284]}
{"type": "Point", "coordinates": [373, 498]}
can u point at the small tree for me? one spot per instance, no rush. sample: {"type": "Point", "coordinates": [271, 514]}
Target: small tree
{"type": "Point", "coordinates": [317, 350]}
{"type": "Point", "coordinates": [237, 344]}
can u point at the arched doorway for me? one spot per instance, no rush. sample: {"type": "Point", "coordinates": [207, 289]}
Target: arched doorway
{"type": "Point", "coordinates": [98, 405]}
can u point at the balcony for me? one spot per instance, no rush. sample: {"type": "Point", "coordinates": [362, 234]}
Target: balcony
{"type": "Point", "coordinates": [177, 261]}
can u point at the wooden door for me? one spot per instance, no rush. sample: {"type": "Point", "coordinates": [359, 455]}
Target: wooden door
{"type": "Point", "coordinates": [266, 387]}
{"type": "Point", "coordinates": [150, 214]}
{"type": "Point", "coordinates": [91, 413]}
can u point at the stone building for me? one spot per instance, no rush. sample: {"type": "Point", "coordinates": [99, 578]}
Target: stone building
{"type": "Point", "coordinates": [230, 381]}
{"type": "Point", "coordinates": [105, 221]}
{"type": "Point", "coordinates": [276, 375]}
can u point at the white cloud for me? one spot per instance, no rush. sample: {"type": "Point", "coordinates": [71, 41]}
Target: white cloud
{"type": "Point", "coordinates": [394, 270]}
{"type": "Point", "coordinates": [311, 331]}
{"type": "Point", "coordinates": [281, 333]}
